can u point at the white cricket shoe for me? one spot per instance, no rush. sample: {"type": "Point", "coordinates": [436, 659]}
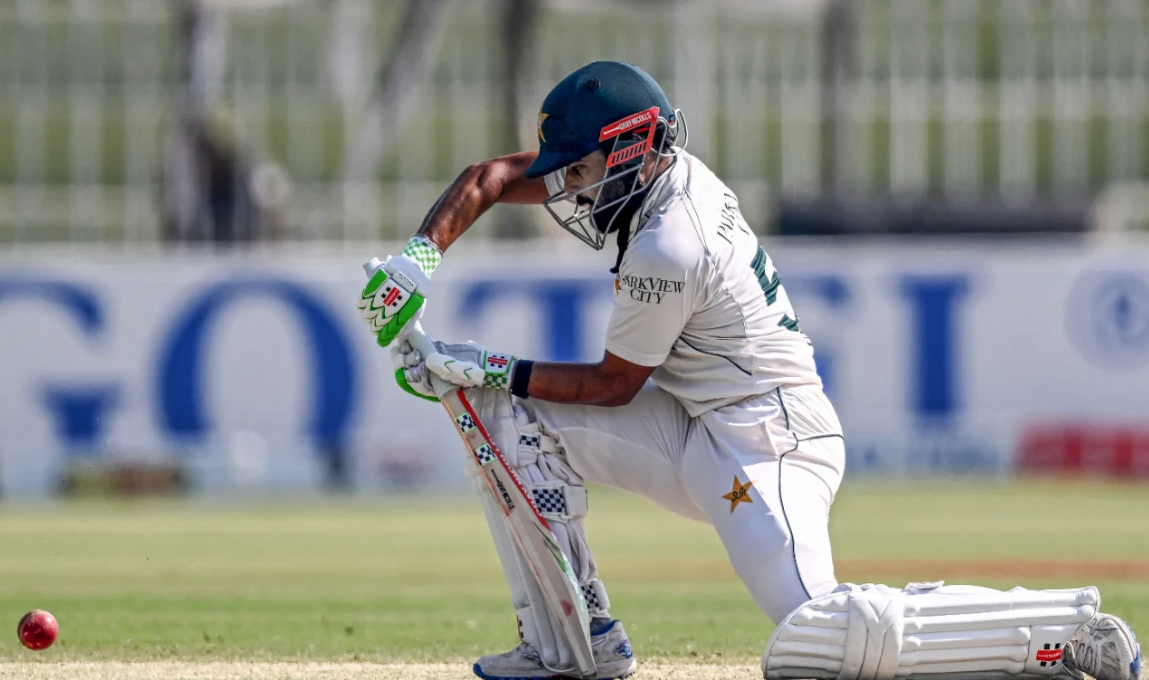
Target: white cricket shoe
{"type": "Point", "coordinates": [1105, 648]}
{"type": "Point", "coordinates": [612, 656]}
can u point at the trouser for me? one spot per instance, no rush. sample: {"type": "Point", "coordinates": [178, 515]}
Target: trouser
{"type": "Point", "coordinates": [763, 472]}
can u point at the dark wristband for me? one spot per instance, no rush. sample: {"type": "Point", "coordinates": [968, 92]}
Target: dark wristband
{"type": "Point", "coordinates": [521, 379]}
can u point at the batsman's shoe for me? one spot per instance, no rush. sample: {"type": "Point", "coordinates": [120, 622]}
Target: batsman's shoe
{"type": "Point", "coordinates": [1105, 648]}
{"type": "Point", "coordinates": [612, 656]}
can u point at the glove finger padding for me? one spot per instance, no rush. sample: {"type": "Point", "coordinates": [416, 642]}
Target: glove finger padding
{"type": "Point", "coordinates": [455, 368]}
{"type": "Point", "coordinates": [404, 355]}
{"type": "Point", "coordinates": [410, 371]}
{"type": "Point", "coordinates": [469, 365]}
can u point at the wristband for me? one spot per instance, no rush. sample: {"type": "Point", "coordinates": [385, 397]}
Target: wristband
{"type": "Point", "coordinates": [424, 253]}
{"type": "Point", "coordinates": [521, 378]}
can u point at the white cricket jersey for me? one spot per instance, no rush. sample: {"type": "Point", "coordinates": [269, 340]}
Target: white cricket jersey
{"type": "Point", "coordinates": [698, 297]}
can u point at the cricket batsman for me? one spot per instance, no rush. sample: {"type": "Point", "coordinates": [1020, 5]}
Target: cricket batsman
{"type": "Point", "coordinates": [707, 402]}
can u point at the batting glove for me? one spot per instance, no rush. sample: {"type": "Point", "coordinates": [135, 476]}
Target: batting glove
{"type": "Point", "coordinates": [469, 365]}
{"type": "Point", "coordinates": [411, 371]}
{"type": "Point", "coordinates": [397, 291]}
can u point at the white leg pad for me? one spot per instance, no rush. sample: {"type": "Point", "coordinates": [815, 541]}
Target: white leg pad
{"type": "Point", "coordinates": [561, 498]}
{"type": "Point", "coordinates": [880, 633]}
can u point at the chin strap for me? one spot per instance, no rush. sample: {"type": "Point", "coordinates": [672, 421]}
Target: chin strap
{"type": "Point", "coordinates": [622, 240]}
{"type": "Point", "coordinates": [626, 215]}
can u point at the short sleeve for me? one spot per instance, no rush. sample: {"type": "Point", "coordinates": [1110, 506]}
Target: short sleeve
{"type": "Point", "coordinates": [652, 303]}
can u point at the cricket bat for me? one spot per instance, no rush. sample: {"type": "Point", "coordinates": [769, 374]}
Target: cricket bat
{"type": "Point", "coordinates": [549, 566]}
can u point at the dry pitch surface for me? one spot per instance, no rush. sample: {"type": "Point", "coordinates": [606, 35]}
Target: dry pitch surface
{"type": "Point", "coordinates": [174, 670]}
{"type": "Point", "coordinates": [171, 670]}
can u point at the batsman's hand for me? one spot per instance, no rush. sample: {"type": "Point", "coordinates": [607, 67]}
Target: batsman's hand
{"type": "Point", "coordinates": [398, 289]}
{"type": "Point", "coordinates": [410, 370]}
{"type": "Point", "coordinates": [469, 365]}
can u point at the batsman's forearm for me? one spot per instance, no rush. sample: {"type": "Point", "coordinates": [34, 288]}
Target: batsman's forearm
{"type": "Point", "coordinates": [469, 196]}
{"type": "Point", "coordinates": [571, 383]}
{"type": "Point", "coordinates": [475, 190]}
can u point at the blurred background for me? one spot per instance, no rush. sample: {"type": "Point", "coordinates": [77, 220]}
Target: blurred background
{"type": "Point", "coordinates": [956, 194]}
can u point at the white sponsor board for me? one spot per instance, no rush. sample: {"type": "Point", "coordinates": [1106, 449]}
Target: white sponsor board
{"type": "Point", "coordinates": [256, 369]}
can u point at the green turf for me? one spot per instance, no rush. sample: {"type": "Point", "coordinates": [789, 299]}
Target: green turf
{"type": "Point", "coordinates": [410, 579]}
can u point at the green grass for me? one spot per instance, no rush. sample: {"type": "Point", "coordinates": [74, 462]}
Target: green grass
{"type": "Point", "coordinates": [414, 579]}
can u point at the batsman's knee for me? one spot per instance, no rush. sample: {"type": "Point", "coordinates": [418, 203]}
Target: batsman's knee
{"type": "Point", "coordinates": [927, 630]}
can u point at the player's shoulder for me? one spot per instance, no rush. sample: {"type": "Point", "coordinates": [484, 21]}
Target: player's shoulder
{"type": "Point", "coordinates": [669, 239]}
{"type": "Point", "coordinates": [706, 195]}
{"type": "Point", "coordinates": [712, 210]}
{"type": "Point", "coordinates": [692, 206]}
{"type": "Point", "coordinates": [671, 229]}
{"type": "Point", "coordinates": [654, 264]}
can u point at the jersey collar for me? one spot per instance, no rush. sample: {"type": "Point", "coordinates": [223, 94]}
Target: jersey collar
{"type": "Point", "coordinates": [667, 185]}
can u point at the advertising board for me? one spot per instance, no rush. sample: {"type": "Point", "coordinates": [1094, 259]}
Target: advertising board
{"type": "Point", "coordinates": [255, 372]}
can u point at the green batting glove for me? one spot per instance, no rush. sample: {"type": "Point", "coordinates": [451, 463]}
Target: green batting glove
{"type": "Point", "coordinates": [409, 388]}
{"type": "Point", "coordinates": [410, 371]}
{"type": "Point", "coordinates": [398, 289]}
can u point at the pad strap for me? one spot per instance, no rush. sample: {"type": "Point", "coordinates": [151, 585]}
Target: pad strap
{"type": "Point", "coordinates": [538, 442]}
{"type": "Point", "coordinates": [597, 603]}
{"type": "Point", "coordinates": [874, 652]}
{"type": "Point", "coordinates": [558, 501]}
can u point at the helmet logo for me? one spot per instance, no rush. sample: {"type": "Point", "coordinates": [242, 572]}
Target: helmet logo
{"type": "Point", "coordinates": [542, 117]}
{"type": "Point", "coordinates": [646, 119]}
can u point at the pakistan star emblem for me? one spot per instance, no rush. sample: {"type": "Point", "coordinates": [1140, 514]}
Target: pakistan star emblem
{"type": "Point", "coordinates": [739, 493]}
{"type": "Point", "coordinates": [542, 117]}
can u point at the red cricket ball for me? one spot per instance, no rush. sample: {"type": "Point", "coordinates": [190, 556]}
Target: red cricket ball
{"type": "Point", "coordinates": [38, 630]}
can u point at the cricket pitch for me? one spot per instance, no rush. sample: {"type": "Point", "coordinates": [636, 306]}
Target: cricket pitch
{"type": "Point", "coordinates": [218, 670]}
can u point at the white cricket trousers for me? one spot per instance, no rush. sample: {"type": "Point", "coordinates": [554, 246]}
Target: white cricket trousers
{"type": "Point", "coordinates": [763, 472]}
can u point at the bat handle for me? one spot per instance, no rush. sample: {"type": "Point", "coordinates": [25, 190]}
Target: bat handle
{"type": "Point", "coordinates": [371, 266]}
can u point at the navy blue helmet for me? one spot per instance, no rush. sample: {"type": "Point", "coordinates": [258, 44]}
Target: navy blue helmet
{"type": "Point", "coordinates": [616, 108]}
